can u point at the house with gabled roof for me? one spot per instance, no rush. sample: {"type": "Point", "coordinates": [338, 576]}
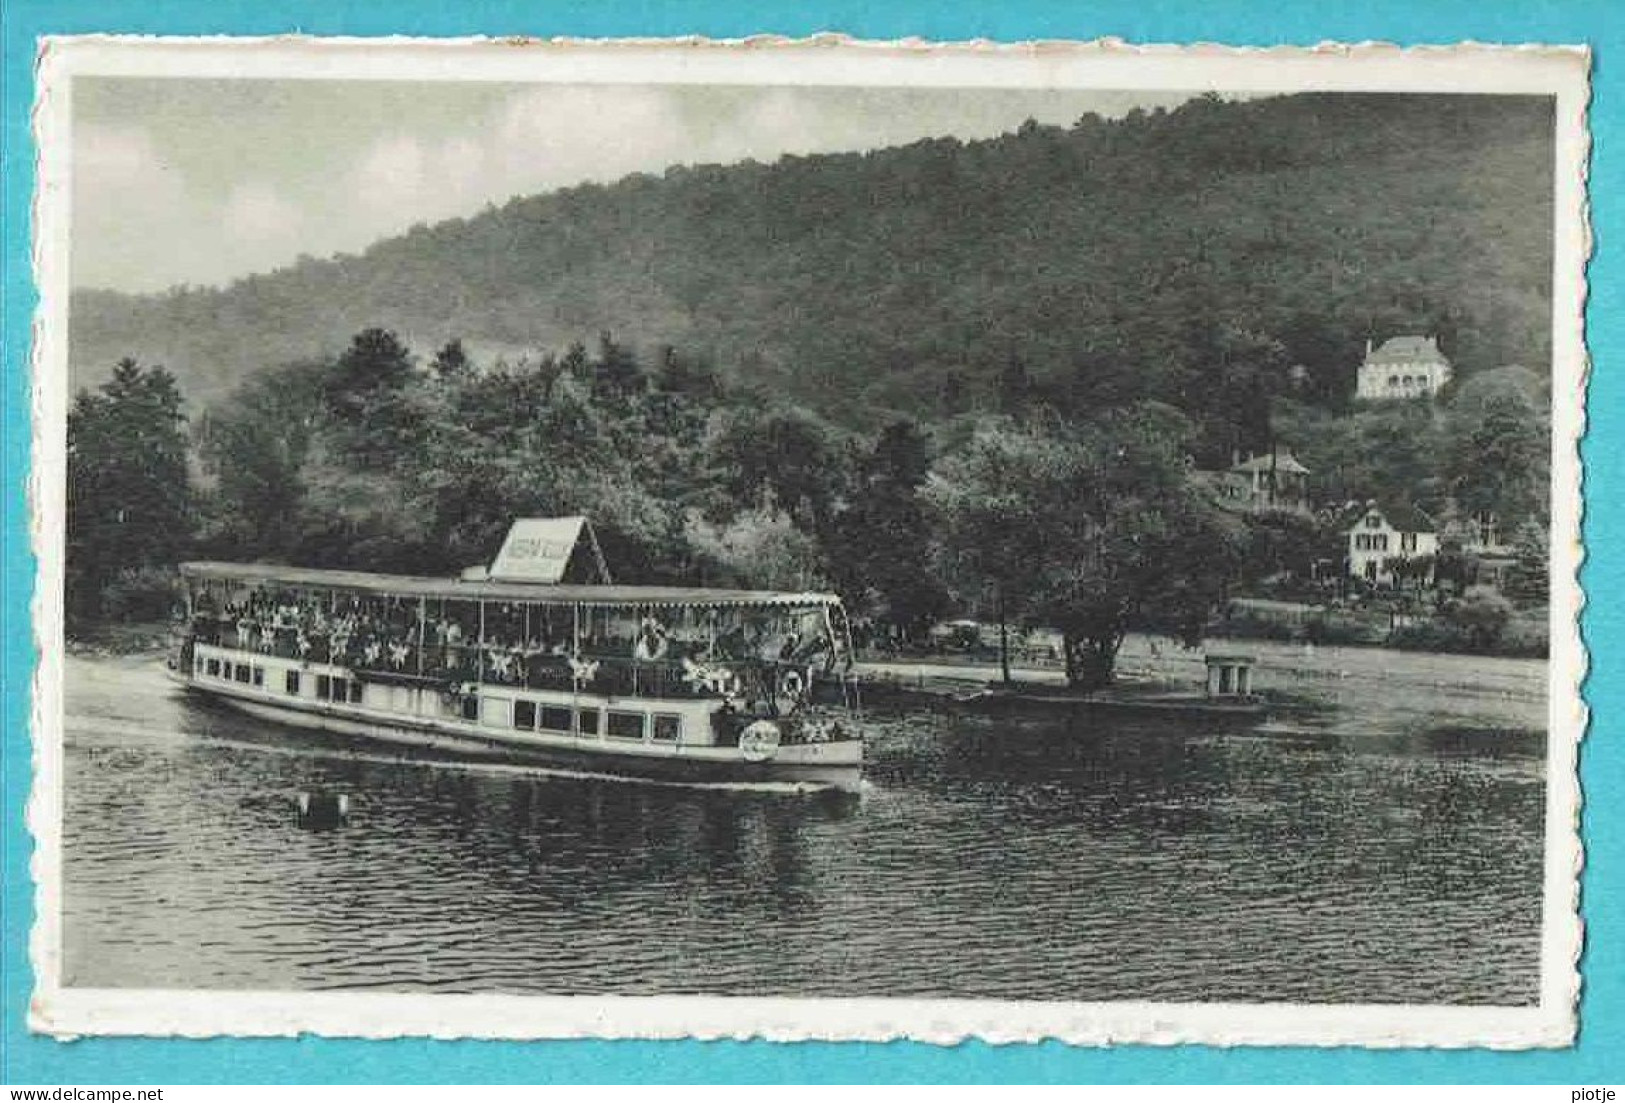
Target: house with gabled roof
{"type": "Point", "coordinates": [1261, 483]}
{"type": "Point", "coordinates": [1381, 536]}
{"type": "Point", "coordinates": [1402, 367]}
{"type": "Point", "coordinates": [1275, 480]}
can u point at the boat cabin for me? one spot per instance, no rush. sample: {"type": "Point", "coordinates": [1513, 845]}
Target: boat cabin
{"type": "Point", "coordinates": [585, 659]}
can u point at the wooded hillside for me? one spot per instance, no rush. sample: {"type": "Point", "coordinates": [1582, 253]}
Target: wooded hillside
{"type": "Point", "coordinates": [1108, 262]}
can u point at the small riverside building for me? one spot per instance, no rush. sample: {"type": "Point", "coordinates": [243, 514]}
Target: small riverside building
{"type": "Point", "coordinates": [1381, 534]}
{"type": "Point", "coordinates": [1402, 367]}
{"type": "Point", "coordinates": [1478, 539]}
{"type": "Point", "coordinates": [1229, 676]}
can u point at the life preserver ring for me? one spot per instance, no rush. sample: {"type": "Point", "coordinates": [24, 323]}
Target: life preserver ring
{"type": "Point", "coordinates": [759, 741]}
{"type": "Point", "coordinates": [793, 686]}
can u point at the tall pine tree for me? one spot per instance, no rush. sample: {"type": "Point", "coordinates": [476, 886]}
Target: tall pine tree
{"type": "Point", "coordinates": [129, 499]}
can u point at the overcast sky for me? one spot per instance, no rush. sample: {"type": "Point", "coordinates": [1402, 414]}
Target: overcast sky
{"type": "Point", "coordinates": [202, 181]}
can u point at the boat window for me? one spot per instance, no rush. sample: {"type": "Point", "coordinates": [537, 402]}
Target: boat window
{"type": "Point", "coordinates": [625, 725]}
{"type": "Point", "coordinates": [555, 719]}
{"type": "Point", "coordinates": [668, 726]}
{"type": "Point", "coordinates": [324, 686]}
{"type": "Point", "coordinates": [241, 674]}
{"type": "Point", "coordinates": [587, 721]}
{"type": "Point", "coordinates": [524, 714]}
{"type": "Point", "coordinates": [259, 675]}
{"type": "Point", "coordinates": [471, 707]}
{"type": "Point", "coordinates": [291, 682]}
{"type": "Point", "coordinates": [214, 667]}
{"type": "Point", "coordinates": [355, 692]}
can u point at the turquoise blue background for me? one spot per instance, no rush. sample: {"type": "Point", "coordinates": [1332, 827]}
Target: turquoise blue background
{"type": "Point", "coordinates": [1598, 1057]}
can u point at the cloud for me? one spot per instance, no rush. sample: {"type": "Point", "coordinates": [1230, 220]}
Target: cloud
{"type": "Point", "coordinates": [139, 224]}
{"type": "Point", "coordinates": [553, 137]}
{"type": "Point", "coordinates": [127, 202]}
{"type": "Point", "coordinates": [538, 141]}
{"type": "Point", "coordinates": [258, 221]}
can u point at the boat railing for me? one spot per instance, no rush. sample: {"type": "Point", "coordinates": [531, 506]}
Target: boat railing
{"type": "Point", "coordinates": [676, 675]}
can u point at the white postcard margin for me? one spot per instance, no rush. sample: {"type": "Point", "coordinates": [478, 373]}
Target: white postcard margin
{"type": "Point", "coordinates": [1560, 71]}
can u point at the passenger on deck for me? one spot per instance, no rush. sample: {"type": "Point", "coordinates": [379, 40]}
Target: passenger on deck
{"type": "Point", "coordinates": [731, 644]}
{"type": "Point", "coordinates": [451, 635]}
{"type": "Point", "coordinates": [651, 642]}
{"type": "Point", "coordinates": [812, 649]}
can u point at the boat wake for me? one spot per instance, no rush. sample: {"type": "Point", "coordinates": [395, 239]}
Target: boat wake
{"type": "Point", "coordinates": [467, 766]}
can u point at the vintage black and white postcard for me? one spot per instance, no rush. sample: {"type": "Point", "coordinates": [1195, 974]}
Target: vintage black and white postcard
{"type": "Point", "coordinates": [809, 540]}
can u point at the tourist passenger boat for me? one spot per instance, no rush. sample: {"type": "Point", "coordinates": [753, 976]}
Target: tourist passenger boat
{"type": "Point", "coordinates": [519, 665]}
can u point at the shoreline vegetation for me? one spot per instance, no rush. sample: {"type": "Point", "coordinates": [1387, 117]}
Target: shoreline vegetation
{"type": "Point", "coordinates": [1505, 631]}
{"type": "Point", "coordinates": [936, 425]}
{"type": "Point", "coordinates": [109, 639]}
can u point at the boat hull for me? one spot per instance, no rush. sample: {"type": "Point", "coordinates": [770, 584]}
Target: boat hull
{"type": "Point", "coordinates": [837, 764]}
{"type": "Point", "coordinates": [1051, 702]}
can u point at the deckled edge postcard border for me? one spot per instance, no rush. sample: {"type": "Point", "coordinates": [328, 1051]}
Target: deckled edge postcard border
{"type": "Point", "coordinates": [1560, 71]}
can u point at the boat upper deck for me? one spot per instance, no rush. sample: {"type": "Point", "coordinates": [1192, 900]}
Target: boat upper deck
{"type": "Point", "coordinates": [597, 595]}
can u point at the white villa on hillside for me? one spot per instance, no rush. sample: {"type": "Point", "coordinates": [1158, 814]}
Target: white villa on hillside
{"type": "Point", "coordinates": [1380, 535]}
{"type": "Point", "coordinates": [1403, 367]}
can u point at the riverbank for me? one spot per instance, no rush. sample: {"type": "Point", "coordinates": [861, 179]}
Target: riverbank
{"type": "Point", "coordinates": [1343, 686]}
{"type": "Point", "coordinates": [1522, 634]}
{"type": "Point", "coordinates": [1332, 687]}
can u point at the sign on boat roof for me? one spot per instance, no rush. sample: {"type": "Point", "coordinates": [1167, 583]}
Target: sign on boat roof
{"type": "Point", "coordinates": [541, 549]}
{"type": "Point", "coordinates": [535, 556]}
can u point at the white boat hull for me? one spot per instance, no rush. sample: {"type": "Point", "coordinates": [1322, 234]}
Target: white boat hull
{"type": "Point", "coordinates": [836, 763]}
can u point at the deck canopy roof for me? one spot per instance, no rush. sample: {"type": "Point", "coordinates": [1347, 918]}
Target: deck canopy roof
{"type": "Point", "coordinates": [487, 590]}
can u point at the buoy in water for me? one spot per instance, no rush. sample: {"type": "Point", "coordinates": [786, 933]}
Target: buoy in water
{"type": "Point", "coordinates": [323, 811]}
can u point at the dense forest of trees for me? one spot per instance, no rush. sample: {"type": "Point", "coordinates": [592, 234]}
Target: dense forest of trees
{"type": "Point", "coordinates": [949, 378]}
{"type": "Point", "coordinates": [379, 459]}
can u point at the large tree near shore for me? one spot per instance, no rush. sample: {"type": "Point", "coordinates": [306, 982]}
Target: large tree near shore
{"type": "Point", "coordinates": [129, 496]}
{"type": "Point", "coordinates": [1091, 529]}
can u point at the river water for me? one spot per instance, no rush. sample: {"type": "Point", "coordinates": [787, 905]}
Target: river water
{"type": "Point", "coordinates": [1384, 849]}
